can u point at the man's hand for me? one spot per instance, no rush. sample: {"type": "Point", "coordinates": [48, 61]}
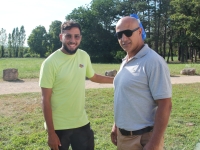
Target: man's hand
{"type": "Point", "coordinates": [113, 135]}
{"type": "Point", "coordinates": [53, 141]}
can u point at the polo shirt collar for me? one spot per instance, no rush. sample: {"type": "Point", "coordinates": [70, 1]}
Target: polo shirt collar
{"type": "Point", "coordinates": [141, 53]}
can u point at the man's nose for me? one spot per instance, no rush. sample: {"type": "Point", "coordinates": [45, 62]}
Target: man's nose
{"type": "Point", "coordinates": [72, 39]}
{"type": "Point", "coordinates": [124, 37]}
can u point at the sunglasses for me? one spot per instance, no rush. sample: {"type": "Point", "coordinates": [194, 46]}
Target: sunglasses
{"type": "Point", "coordinates": [128, 33]}
{"type": "Point", "coordinates": [69, 36]}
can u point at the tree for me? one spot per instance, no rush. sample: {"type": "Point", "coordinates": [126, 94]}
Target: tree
{"type": "Point", "coordinates": [38, 41]}
{"type": "Point", "coordinates": [169, 25]}
{"type": "Point", "coordinates": [97, 32]}
{"type": "Point", "coordinates": [9, 45]}
{"type": "Point", "coordinates": [15, 42]}
{"type": "Point", "coordinates": [54, 32]}
{"type": "Point", "coordinates": [21, 40]}
{"type": "Point", "coordinates": [3, 37]}
{"type": "Point", "coordinates": [186, 19]}
{"type": "Point", "coordinates": [106, 12]}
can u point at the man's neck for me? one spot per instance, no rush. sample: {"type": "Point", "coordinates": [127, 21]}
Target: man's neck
{"type": "Point", "coordinates": [131, 55]}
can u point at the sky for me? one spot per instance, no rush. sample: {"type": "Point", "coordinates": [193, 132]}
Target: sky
{"type": "Point", "coordinates": [32, 13]}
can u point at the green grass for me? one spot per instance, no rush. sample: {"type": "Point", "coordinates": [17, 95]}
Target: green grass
{"type": "Point", "coordinates": [183, 131]}
{"type": "Point", "coordinates": [29, 67]}
{"type": "Point", "coordinates": [176, 68]}
{"type": "Point", "coordinates": [21, 119]}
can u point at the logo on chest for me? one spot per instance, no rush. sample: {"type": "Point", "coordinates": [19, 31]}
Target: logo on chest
{"type": "Point", "coordinates": [81, 65]}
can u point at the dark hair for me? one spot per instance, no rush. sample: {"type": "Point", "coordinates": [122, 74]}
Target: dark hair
{"type": "Point", "coordinates": [67, 25]}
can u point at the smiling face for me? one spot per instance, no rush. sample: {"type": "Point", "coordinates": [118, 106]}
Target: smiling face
{"type": "Point", "coordinates": [131, 43]}
{"type": "Point", "coordinates": [71, 40]}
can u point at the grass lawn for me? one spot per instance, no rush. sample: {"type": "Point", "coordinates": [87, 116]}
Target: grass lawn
{"type": "Point", "coordinates": [29, 67]}
{"type": "Point", "coordinates": [21, 119]}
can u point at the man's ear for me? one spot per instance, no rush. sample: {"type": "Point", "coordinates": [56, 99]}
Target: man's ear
{"type": "Point", "coordinates": [60, 36]}
{"type": "Point", "coordinates": [140, 31]}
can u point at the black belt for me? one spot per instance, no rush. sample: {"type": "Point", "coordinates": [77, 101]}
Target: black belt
{"type": "Point", "coordinates": [137, 132]}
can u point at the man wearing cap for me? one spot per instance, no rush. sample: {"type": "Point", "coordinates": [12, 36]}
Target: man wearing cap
{"type": "Point", "coordinates": [142, 96]}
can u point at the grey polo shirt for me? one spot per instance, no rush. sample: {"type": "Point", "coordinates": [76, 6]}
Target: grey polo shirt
{"type": "Point", "coordinates": [139, 82]}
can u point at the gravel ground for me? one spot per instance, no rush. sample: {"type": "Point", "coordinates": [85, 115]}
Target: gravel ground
{"type": "Point", "coordinates": [31, 85]}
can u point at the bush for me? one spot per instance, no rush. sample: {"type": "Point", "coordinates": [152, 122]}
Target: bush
{"type": "Point", "coordinates": [120, 54]}
{"type": "Point", "coordinates": [27, 55]}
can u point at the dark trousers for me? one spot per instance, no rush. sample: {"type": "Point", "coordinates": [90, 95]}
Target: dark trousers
{"type": "Point", "coordinates": [79, 138]}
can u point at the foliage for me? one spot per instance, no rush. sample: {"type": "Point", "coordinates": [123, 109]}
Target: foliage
{"type": "Point", "coordinates": [3, 37]}
{"type": "Point", "coordinates": [21, 40]}
{"type": "Point", "coordinates": [186, 19]}
{"type": "Point", "coordinates": [172, 27]}
{"type": "Point", "coordinates": [21, 119]}
{"type": "Point", "coordinates": [10, 49]}
{"type": "Point", "coordinates": [54, 40]}
{"type": "Point", "coordinates": [2, 50]}
{"type": "Point", "coordinates": [97, 30]}
{"type": "Point", "coordinates": [120, 55]}
{"type": "Point", "coordinates": [38, 41]}
{"type": "Point", "coordinates": [16, 42]}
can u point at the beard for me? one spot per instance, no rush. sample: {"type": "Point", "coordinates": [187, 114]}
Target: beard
{"type": "Point", "coordinates": [70, 52]}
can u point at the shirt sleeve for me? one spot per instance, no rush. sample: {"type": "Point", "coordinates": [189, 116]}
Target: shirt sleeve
{"type": "Point", "coordinates": [47, 75]}
{"type": "Point", "coordinates": [89, 69]}
{"type": "Point", "coordinates": [159, 79]}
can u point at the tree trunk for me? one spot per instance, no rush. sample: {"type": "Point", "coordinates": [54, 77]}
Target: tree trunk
{"type": "Point", "coordinates": [191, 54]}
{"type": "Point", "coordinates": [168, 55]}
{"type": "Point", "coordinates": [164, 41]}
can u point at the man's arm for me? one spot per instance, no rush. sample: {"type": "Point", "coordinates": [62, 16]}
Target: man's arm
{"type": "Point", "coordinates": [101, 79]}
{"type": "Point", "coordinates": [53, 140]}
{"type": "Point", "coordinates": [113, 134]}
{"type": "Point", "coordinates": [161, 121]}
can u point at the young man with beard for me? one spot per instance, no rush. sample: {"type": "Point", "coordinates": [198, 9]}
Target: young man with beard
{"type": "Point", "coordinates": [62, 81]}
{"type": "Point", "coordinates": [142, 92]}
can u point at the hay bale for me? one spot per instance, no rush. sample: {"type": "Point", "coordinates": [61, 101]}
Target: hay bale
{"type": "Point", "coordinates": [10, 74]}
{"type": "Point", "coordinates": [188, 71]}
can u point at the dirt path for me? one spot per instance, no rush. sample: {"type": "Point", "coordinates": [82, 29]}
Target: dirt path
{"type": "Point", "coordinates": [31, 85]}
